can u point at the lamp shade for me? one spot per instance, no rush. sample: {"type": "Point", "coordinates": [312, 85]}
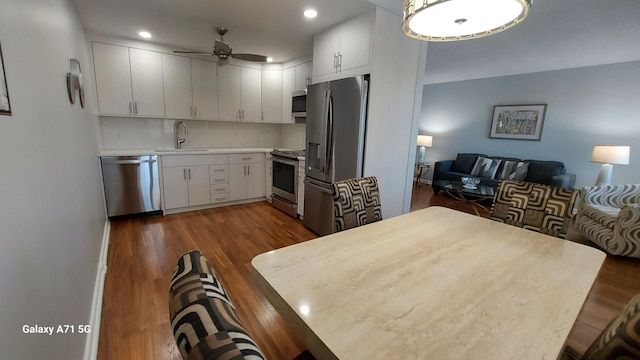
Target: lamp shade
{"type": "Point", "coordinates": [425, 140]}
{"type": "Point", "coordinates": [610, 154]}
{"type": "Point", "coordinates": [450, 20]}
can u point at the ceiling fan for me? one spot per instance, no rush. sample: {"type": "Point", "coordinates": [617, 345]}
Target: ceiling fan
{"type": "Point", "coordinates": [223, 51]}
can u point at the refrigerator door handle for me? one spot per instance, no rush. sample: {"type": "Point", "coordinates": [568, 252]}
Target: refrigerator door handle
{"type": "Point", "coordinates": [329, 149]}
{"type": "Point", "coordinates": [325, 120]}
{"type": "Point", "coordinates": [328, 113]}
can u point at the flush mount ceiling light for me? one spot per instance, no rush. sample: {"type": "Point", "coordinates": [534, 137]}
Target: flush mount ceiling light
{"type": "Point", "coordinates": [145, 34]}
{"type": "Point", "coordinates": [451, 20]}
{"type": "Point", "coordinates": [310, 13]}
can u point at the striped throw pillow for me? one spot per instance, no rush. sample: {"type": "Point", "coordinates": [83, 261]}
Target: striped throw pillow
{"type": "Point", "coordinates": [485, 167]}
{"type": "Point", "coordinates": [513, 170]}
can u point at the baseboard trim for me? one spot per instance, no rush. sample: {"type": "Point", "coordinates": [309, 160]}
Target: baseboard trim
{"type": "Point", "coordinates": [91, 345]}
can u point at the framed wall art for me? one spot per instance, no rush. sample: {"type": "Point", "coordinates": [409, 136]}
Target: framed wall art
{"type": "Point", "coordinates": [520, 122]}
{"type": "Point", "coordinates": [5, 105]}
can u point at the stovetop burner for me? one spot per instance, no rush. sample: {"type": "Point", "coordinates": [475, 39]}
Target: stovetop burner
{"type": "Point", "coordinates": [291, 154]}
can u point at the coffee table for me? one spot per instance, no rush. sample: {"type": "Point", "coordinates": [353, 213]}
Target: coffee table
{"type": "Point", "coordinates": [464, 194]}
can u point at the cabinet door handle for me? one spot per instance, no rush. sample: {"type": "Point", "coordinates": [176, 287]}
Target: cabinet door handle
{"type": "Point", "coordinates": [191, 110]}
{"type": "Point", "coordinates": [335, 61]}
{"type": "Point", "coordinates": [189, 173]}
{"type": "Point", "coordinates": [242, 114]}
{"type": "Point", "coordinates": [184, 173]}
{"type": "Point", "coordinates": [246, 159]}
{"type": "Point", "coordinates": [340, 62]}
{"type": "Point", "coordinates": [130, 108]}
{"type": "Point", "coordinates": [262, 116]}
{"type": "Point", "coordinates": [135, 107]}
{"type": "Point", "coordinates": [195, 111]}
{"type": "Point", "coordinates": [248, 170]}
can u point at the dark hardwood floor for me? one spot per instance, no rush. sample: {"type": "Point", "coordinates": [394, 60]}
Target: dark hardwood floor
{"type": "Point", "coordinates": [143, 253]}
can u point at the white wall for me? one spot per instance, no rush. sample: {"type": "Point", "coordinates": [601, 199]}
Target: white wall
{"type": "Point", "coordinates": [397, 63]}
{"type": "Point", "coordinates": [51, 207]}
{"type": "Point", "coordinates": [585, 107]}
{"type": "Point", "coordinates": [139, 133]}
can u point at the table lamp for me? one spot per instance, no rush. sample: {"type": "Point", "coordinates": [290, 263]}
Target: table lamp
{"type": "Point", "coordinates": [424, 141]}
{"type": "Point", "coordinates": [608, 155]}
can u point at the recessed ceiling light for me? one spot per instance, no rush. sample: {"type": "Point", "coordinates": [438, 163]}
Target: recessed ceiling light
{"type": "Point", "coordinates": [310, 13]}
{"type": "Point", "coordinates": [145, 34]}
{"type": "Point", "coordinates": [269, 59]}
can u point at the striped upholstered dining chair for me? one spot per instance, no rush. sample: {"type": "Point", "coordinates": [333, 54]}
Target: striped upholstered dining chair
{"type": "Point", "coordinates": [356, 202]}
{"type": "Point", "coordinates": [543, 208]}
{"type": "Point", "coordinates": [619, 340]}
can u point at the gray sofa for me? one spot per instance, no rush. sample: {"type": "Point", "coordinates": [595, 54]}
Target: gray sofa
{"type": "Point", "coordinates": [494, 169]}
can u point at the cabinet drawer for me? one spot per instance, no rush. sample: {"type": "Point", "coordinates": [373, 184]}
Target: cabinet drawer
{"type": "Point", "coordinates": [193, 160]}
{"type": "Point", "coordinates": [218, 198]}
{"type": "Point", "coordinates": [246, 158]}
{"type": "Point", "coordinates": [219, 179]}
{"type": "Point", "coordinates": [219, 189]}
{"type": "Point", "coordinates": [218, 169]}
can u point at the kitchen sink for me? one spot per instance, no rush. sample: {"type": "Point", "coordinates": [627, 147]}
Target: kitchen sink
{"type": "Point", "coordinates": [178, 150]}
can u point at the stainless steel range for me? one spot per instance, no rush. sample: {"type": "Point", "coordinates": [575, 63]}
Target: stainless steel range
{"type": "Point", "coordinates": [285, 180]}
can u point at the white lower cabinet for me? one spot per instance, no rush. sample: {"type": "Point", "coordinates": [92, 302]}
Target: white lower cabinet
{"type": "Point", "coordinates": [185, 186]}
{"type": "Point", "coordinates": [219, 183]}
{"type": "Point", "coordinates": [187, 179]}
{"type": "Point", "coordinates": [268, 176]}
{"type": "Point", "coordinates": [246, 176]}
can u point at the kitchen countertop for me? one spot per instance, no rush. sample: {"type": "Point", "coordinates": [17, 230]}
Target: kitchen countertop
{"type": "Point", "coordinates": [165, 152]}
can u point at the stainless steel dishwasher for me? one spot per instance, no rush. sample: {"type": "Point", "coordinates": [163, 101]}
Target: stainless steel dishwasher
{"type": "Point", "coordinates": [131, 185]}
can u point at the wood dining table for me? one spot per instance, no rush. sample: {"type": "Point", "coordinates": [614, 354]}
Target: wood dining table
{"type": "Point", "coordinates": [431, 284]}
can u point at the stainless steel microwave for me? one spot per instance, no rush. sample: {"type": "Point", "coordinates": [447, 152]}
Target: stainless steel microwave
{"type": "Point", "coordinates": [299, 104]}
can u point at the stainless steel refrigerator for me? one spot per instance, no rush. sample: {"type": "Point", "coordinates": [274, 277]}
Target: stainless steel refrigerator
{"type": "Point", "coordinates": [336, 123]}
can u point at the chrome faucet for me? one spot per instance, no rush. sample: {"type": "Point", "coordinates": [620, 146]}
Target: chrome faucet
{"type": "Point", "coordinates": [176, 136]}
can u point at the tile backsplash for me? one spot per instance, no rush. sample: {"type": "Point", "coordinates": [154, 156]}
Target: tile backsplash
{"type": "Point", "coordinates": [139, 133]}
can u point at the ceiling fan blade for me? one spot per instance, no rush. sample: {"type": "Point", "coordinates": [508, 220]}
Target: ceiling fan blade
{"type": "Point", "coordinates": [250, 57]}
{"type": "Point", "coordinates": [192, 52]}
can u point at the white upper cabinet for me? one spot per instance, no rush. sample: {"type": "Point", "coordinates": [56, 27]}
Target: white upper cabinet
{"type": "Point", "coordinates": [113, 79]}
{"type": "Point", "coordinates": [146, 83]}
{"type": "Point", "coordinates": [326, 48]}
{"type": "Point", "coordinates": [176, 71]}
{"type": "Point", "coordinates": [344, 50]}
{"type": "Point", "coordinates": [190, 88]}
{"type": "Point", "coordinates": [204, 85]}
{"type": "Point", "coordinates": [303, 75]}
{"type": "Point", "coordinates": [128, 81]}
{"type": "Point", "coordinates": [240, 93]}
{"type": "Point", "coordinates": [271, 95]}
{"type": "Point", "coordinates": [229, 92]}
{"type": "Point", "coordinates": [250, 95]}
{"type": "Point", "coordinates": [288, 86]}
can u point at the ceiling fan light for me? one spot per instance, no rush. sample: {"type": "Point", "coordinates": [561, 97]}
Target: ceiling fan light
{"type": "Point", "coordinates": [450, 20]}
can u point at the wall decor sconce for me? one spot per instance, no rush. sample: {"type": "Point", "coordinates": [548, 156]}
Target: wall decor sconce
{"type": "Point", "coordinates": [74, 82]}
{"type": "Point", "coordinates": [5, 105]}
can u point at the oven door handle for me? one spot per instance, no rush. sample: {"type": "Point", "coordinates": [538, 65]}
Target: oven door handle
{"type": "Point", "coordinates": [285, 161]}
